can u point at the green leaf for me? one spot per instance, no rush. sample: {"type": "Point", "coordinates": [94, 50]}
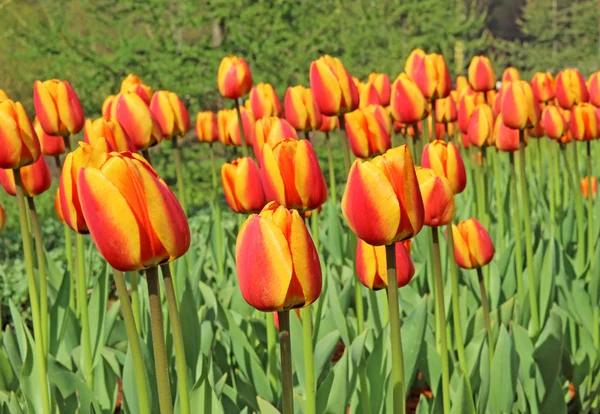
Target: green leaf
{"type": "Point", "coordinates": [504, 373]}
{"type": "Point", "coordinates": [462, 403]}
{"type": "Point", "coordinates": [413, 332]}
{"type": "Point", "coordinates": [555, 403]}
{"type": "Point", "coordinates": [547, 355]}
{"type": "Point", "coordinates": [97, 313]}
{"type": "Point", "coordinates": [266, 407]}
{"type": "Point", "coordinates": [334, 234]}
{"type": "Point", "coordinates": [338, 314]}
{"type": "Point", "coordinates": [324, 351]}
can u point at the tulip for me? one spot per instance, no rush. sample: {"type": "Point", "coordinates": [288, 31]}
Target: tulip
{"type": "Point", "coordinates": [264, 101]}
{"type": "Point", "coordinates": [473, 247]}
{"type": "Point", "coordinates": [329, 123]}
{"type": "Point", "coordinates": [506, 139]}
{"type": "Point", "coordinates": [413, 62]}
{"type": "Point", "coordinates": [481, 126]}
{"type": "Point", "coordinates": [381, 81]}
{"type": "Point", "coordinates": [368, 95]}
{"type": "Point", "coordinates": [445, 110]}
{"type": "Point", "coordinates": [570, 88]}
{"type": "Point", "coordinates": [481, 74]}
{"type": "Point", "coordinates": [2, 218]}
{"type": "Point", "coordinates": [19, 143]}
{"type": "Point", "coordinates": [132, 215]}
{"type": "Point", "coordinates": [271, 130]}
{"type": "Point", "coordinates": [371, 265]}
{"type": "Point", "coordinates": [3, 97]}
{"type": "Point", "coordinates": [519, 110]}
{"type": "Point", "coordinates": [491, 97]}
{"type": "Point", "coordinates": [229, 131]}
{"type": "Point", "coordinates": [445, 160]}
{"type": "Point", "coordinates": [584, 184]}
{"type": "Point", "coordinates": [407, 102]}
{"type": "Point", "coordinates": [553, 122]}
{"type": "Point", "coordinates": [543, 86]}
{"type": "Point", "coordinates": [170, 113]}
{"type": "Point", "coordinates": [292, 176]}
{"type": "Point", "coordinates": [510, 74]}
{"type": "Point", "coordinates": [110, 130]}
{"type": "Point", "coordinates": [49, 144]}
{"type": "Point", "coordinates": [207, 129]}
{"type": "Point", "coordinates": [332, 87]}
{"type": "Point", "coordinates": [242, 186]}
{"type": "Point", "coordinates": [584, 125]}
{"type": "Point", "coordinates": [440, 129]}
{"type": "Point", "coordinates": [438, 197]}
{"type": "Point", "coordinates": [431, 75]}
{"type": "Point", "coordinates": [132, 113]}
{"type": "Point", "coordinates": [234, 77]}
{"type": "Point", "coordinates": [107, 105]}
{"type": "Point", "coordinates": [57, 107]}
{"type": "Point", "coordinates": [465, 110]}
{"type": "Point", "coordinates": [35, 177]}
{"type": "Point", "coordinates": [134, 84]}
{"type": "Point", "coordinates": [300, 109]}
{"type": "Point", "coordinates": [382, 202]}
{"type": "Point", "coordinates": [593, 85]}
{"type": "Point", "coordinates": [536, 132]}
{"type": "Point", "coordinates": [461, 83]}
{"type": "Point", "coordinates": [369, 131]}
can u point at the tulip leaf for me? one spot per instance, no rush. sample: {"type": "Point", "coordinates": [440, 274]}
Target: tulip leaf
{"type": "Point", "coordinates": [555, 402]}
{"type": "Point", "coordinates": [462, 403]}
{"type": "Point", "coordinates": [550, 267]}
{"type": "Point", "coordinates": [265, 407]}
{"type": "Point", "coordinates": [503, 375]}
{"type": "Point", "coordinates": [334, 234]}
{"type": "Point", "coordinates": [297, 348]}
{"type": "Point", "coordinates": [97, 313]}
{"type": "Point", "coordinates": [324, 351]}
{"type": "Point", "coordinates": [413, 332]}
{"type": "Point", "coordinates": [190, 325]}
{"type": "Point", "coordinates": [547, 355]}
{"type": "Point", "coordinates": [338, 314]}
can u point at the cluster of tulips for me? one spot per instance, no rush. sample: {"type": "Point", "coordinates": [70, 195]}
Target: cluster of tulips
{"type": "Point", "coordinates": [109, 189]}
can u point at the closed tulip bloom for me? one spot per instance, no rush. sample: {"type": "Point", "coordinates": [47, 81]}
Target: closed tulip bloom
{"type": "Point", "coordinates": [382, 84]}
{"type": "Point", "coordinates": [382, 202]}
{"type": "Point", "coordinates": [170, 113]}
{"type": "Point", "coordinates": [570, 88]}
{"type": "Point", "coordinates": [506, 139]}
{"type": "Point", "coordinates": [292, 175]}
{"type": "Point", "coordinates": [413, 62]}
{"type": "Point", "coordinates": [445, 160]}
{"type": "Point", "coordinates": [133, 217]}
{"type": "Point", "coordinates": [3, 96]}
{"type": "Point", "coordinates": [510, 74]}
{"type": "Point", "coordinates": [132, 113]}
{"type": "Point", "coordinates": [329, 123]}
{"type": "Point", "coordinates": [465, 110]}
{"type": "Point", "coordinates": [553, 122]}
{"type": "Point", "coordinates": [234, 78]}
{"type": "Point", "coordinates": [593, 85]}
{"type": "Point", "coordinates": [134, 84]}
{"type": "Point", "coordinates": [233, 129]}
{"type": "Point", "coordinates": [110, 130]}
{"type": "Point", "coordinates": [438, 197]}
{"type": "Point", "coordinates": [300, 109]}
{"type": "Point", "coordinates": [57, 107]}
{"type": "Point", "coordinates": [481, 74]}
{"type": "Point", "coordinates": [473, 247]}
{"type": "Point", "coordinates": [481, 126]}
{"type": "Point", "coordinates": [207, 129]}
{"type": "Point", "coordinates": [445, 110]}
{"type": "Point", "coordinates": [332, 87]}
{"type": "Point", "coordinates": [369, 95]}
{"type": "Point", "coordinates": [371, 265]}
{"type": "Point", "coordinates": [19, 143]}
{"type": "Point", "coordinates": [584, 125]}
{"type": "Point", "coordinates": [369, 131]}
{"type": "Point", "coordinates": [519, 110]}
{"type": "Point", "coordinates": [461, 83]}
{"type": "Point", "coordinates": [536, 132]}
{"type": "Point", "coordinates": [276, 260]}
{"type": "Point", "coordinates": [585, 190]}
{"type": "Point", "coordinates": [271, 130]}
{"type": "Point", "coordinates": [35, 177]}
{"type": "Point", "coordinates": [491, 97]}
{"type": "Point", "coordinates": [431, 75]}
{"type": "Point", "coordinates": [407, 102]}
{"type": "Point", "coordinates": [264, 101]}
{"type": "Point", "coordinates": [49, 144]}
{"type": "Point", "coordinates": [543, 86]}
{"type": "Point", "coordinates": [2, 218]}
{"type": "Point", "coordinates": [107, 105]}
{"type": "Point", "coordinates": [242, 186]}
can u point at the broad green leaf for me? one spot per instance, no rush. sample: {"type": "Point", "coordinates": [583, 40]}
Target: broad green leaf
{"type": "Point", "coordinates": [504, 373]}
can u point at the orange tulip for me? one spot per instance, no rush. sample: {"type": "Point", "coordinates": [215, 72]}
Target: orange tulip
{"type": "Point", "coordinates": [2, 218]}
{"type": "Point", "coordinates": [3, 96]}
{"type": "Point", "coordinates": [570, 88]}
{"type": "Point", "coordinates": [264, 101]}
{"type": "Point", "coordinates": [368, 95]}
{"type": "Point", "coordinates": [369, 131]}
{"type": "Point", "coordinates": [57, 107]}
{"type": "Point", "coordinates": [506, 139]}
{"type": "Point", "coordinates": [430, 73]}
{"type": "Point", "coordinates": [445, 110]}
{"type": "Point", "coordinates": [271, 130]}
{"type": "Point", "coordinates": [473, 247]}
{"type": "Point", "coordinates": [207, 129]}
{"type": "Point", "coordinates": [481, 126]}
{"type": "Point", "coordinates": [19, 143]}
{"type": "Point", "coordinates": [170, 113]}
{"type": "Point", "coordinates": [519, 110]}
{"type": "Point", "coordinates": [107, 105]}
{"type": "Point", "coordinates": [543, 86]}
{"type": "Point", "coordinates": [481, 74]}
{"type": "Point", "coordinates": [49, 144]}
{"type": "Point", "coordinates": [277, 264]}
{"type": "Point", "coordinates": [465, 110]}
{"type": "Point", "coordinates": [445, 160]}
{"type": "Point", "coordinates": [510, 74]}
{"type": "Point", "coordinates": [407, 102]}
{"type": "Point", "coordinates": [301, 110]}
{"type": "Point", "coordinates": [553, 122]}
{"type": "Point", "coordinates": [382, 202]}
{"type": "Point", "coordinates": [381, 81]}
{"type": "Point", "coordinates": [134, 84]}
{"type": "Point", "coordinates": [584, 125]}
{"type": "Point", "coordinates": [585, 181]}
{"type": "Point", "coordinates": [234, 78]}
{"type": "Point", "coordinates": [109, 129]}
{"type": "Point", "coordinates": [35, 177]}
{"type": "Point", "coordinates": [593, 85]}
{"type": "Point", "coordinates": [242, 186]}
{"type": "Point", "coordinates": [438, 197]}
{"type": "Point", "coordinates": [371, 265]}
{"type": "Point", "coordinates": [329, 123]}
{"type": "Point", "coordinates": [332, 87]}
{"type": "Point", "coordinates": [132, 113]}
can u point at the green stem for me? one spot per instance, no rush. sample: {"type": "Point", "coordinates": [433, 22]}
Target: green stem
{"type": "Point", "coordinates": [241, 126]}
{"type": "Point", "coordinates": [442, 318]}
{"type": "Point", "coordinates": [433, 121]}
{"type": "Point", "coordinates": [134, 342]}
{"type": "Point", "coordinates": [499, 205]}
{"type": "Point", "coordinates": [517, 224]}
{"type": "Point", "coordinates": [271, 349]}
{"type": "Point", "coordinates": [40, 355]}
{"type": "Point", "coordinates": [577, 197]}
{"type": "Point", "coordinates": [590, 210]}
{"type": "Point", "coordinates": [418, 144]}
{"type": "Point", "coordinates": [135, 300]}
{"type": "Point", "coordinates": [399, 393]}
{"type": "Point", "coordinates": [146, 155]}
{"type": "Point", "coordinates": [69, 249]}
{"type": "Point", "coordinates": [179, 173]}
{"type": "Point", "coordinates": [596, 324]}
{"type": "Point", "coordinates": [480, 189]}
{"type": "Point", "coordinates": [310, 400]}
{"type": "Point", "coordinates": [314, 221]}
{"type": "Point", "coordinates": [486, 313]}
{"type": "Point", "coordinates": [411, 145]}
{"type": "Point", "coordinates": [213, 168]}
{"type": "Point", "coordinates": [332, 183]}
{"type": "Point", "coordinates": [161, 363]}
{"type": "Point", "coordinates": [287, 388]}
{"type": "Point", "coordinates": [551, 193]}
{"type": "Point", "coordinates": [555, 172]}
{"type": "Point", "coordinates": [180, 362]}
{"type": "Point", "coordinates": [219, 230]}
{"type": "Point", "coordinates": [83, 309]}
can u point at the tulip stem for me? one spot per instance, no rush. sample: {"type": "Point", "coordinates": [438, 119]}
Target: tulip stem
{"type": "Point", "coordinates": [590, 210]}
{"type": "Point", "coordinates": [179, 173]}
{"type": "Point", "coordinates": [399, 393]}
{"type": "Point", "coordinates": [314, 221]}
{"type": "Point", "coordinates": [180, 361]}
{"type": "Point", "coordinates": [213, 168]}
{"type": "Point", "coordinates": [40, 355]}
{"type": "Point", "coordinates": [517, 224]}
{"type": "Point", "coordinates": [135, 300]}
{"type": "Point", "coordinates": [480, 188]}
{"type": "Point", "coordinates": [219, 242]}
{"type": "Point", "coordinates": [134, 341]}
{"type": "Point", "coordinates": [146, 155]}
{"type": "Point", "coordinates": [499, 206]}
{"type": "Point", "coordinates": [285, 345]}
{"type": "Point", "coordinates": [310, 400]}
{"type": "Point", "coordinates": [433, 122]}
{"type": "Point", "coordinates": [69, 252]}
{"type": "Point", "coordinates": [161, 363]}
{"type": "Point", "coordinates": [83, 309]}
{"type": "Point", "coordinates": [577, 197]}
{"type": "Point", "coordinates": [271, 349]}
{"type": "Point", "coordinates": [442, 318]}
{"type": "Point", "coordinates": [486, 313]}
{"type": "Point", "coordinates": [241, 126]}
{"type": "Point", "coordinates": [332, 183]}
{"type": "Point", "coordinates": [552, 190]}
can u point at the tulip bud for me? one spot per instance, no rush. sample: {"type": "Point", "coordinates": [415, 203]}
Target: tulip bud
{"type": "Point", "coordinates": [543, 86]}
{"type": "Point", "coordinates": [49, 144]}
{"type": "Point", "coordinates": [369, 131]}
{"type": "Point", "coordinates": [445, 160]}
{"type": "Point", "coordinates": [107, 106]}
{"type": "Point", "coordinates": [300, 109]}
{"type": "Point", "coordinates": [3, 97]}
{"type": "Point", "coordinates": [382, 202]}
{"type": "Point", "coordinates": [368, 95]}
{"type": "Point", "coordinates": [481, 74]}
{"type": "Point", "coordinates": [371, 265]}
{"type": "Point", "coordinates": [438, 197]}
{"type": "Point", "coordinates": [329, 123]}
{"type": "Point", "coordinates": [110, 130]}
{"type": "Point", "coordinates": [407, 102]}
{"type": "Point", "coordinates": [242, 186]}
{"type": "Point", "coordinates": [570, 88]}
{"type": "Point", "coordinates": [519, 110]}
{"type": "Point", "coordinates": [593, 85]}
{"type": "Point", "coordinates": [2, 218]}
{"type": "Point", "coordinates": [57, 107]}
{"type": "Point", "coordinates": [332, 86]}
{"type": "Point", "coordinates": [19, 143]}
{"type": "Point", "coordinates": [491, 97]}
{"type": "Point", "coordinates": [234, 77]}
{"type": "Point", "coordinates": [35, 177]}
{"type": "Point", "coordinates": [445, 110]}
{"type": "Point", "coordinates": [271, 130]}
{"type": "Point", "coordinates": [381, 81]}
{"type": "Point", "coordinates": [481, 126]}
{"type": "Point", "coordinates": [264, 101]}
{"type": "Point", "coordinates": [506, 139]}
{"type": "Point", "coordinates": [465, 110]}
{"type": "Point", "coordinates": [511, 74]}
{"type": "Point", "coordinates": [233, 128]}
{"type": "Point", "coordinates": [584, 125]}
{"type": "Point", "coordinates": [430, 73]}
{"type": "Point", "coordinates": [585, 189]}
{"type": "Point", "coordinates": [137, 120]}
{"type": "Point", "coordinates": [207, 129]}
{"type": "Point", "coordinates": [292, 175]}
{"type": "Point", "coordinates": [473, 247]}
{"type": "Point", "coordinates": [553, 122]}
{"type": "Point", "coordinates": [170, 113]}
{"type": "Point", "coordinates": [134, 84]}
{"type": "Point", "coordinates": [536, 132]}
{"type": "Point", "coordinates": [461, 83]}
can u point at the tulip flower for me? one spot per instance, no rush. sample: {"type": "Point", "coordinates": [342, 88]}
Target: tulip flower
{"type": "Point", "coordinates": [413, 62]}
{"type": "Point", "coordinates": [445, 110]}
{"type": "Point", "coordinates": [407, 102]}
{"type": "Point", "coordinates": [229, 131]}
{"type": "Point", "coordinates": [329, 123]}
{"type": "Point", "coordinates": [382, 202]}
{"type": "Point", "coordinates": [49, 144]}
{"type": "Point", "coordinates": [570, 88]}
{"type": "Point", "coordinates": [271, 130]}
{"type": "Point", "coordinates": [3, 96]}
{"type": "Point", "coordinates": [445, 160]}
{"type": "Point", "coordinates": [207, 129]}
{"type": "Point", "coordinates": [461, 83]}
{"type": "Point", "coordinates": [584, 125]}
{"type": "Point", "coordinates": [553, 122]}
{"type": "Point", "coordinates": [440, 129]}
{"type": "Point", "coordinates": [536, 132]}
{"type": "Point", "coordinates": [490, 97]}
{"type": "Point", "coordinates": [107, 105]}
{"type": "Point", "coordinates": [2, 218]}
{"type": "Point", "coordinates": [465, 110]}
{"type": "Point", "coordinates": [438, 197]}
{"type": "Point", "coordinates": [134, 84]}
{"type": "Point", "coordinates": [368, 95]}
{"type": "Point", "coordinates": [292, 175]}
{"type": "Point", "coordinates": [242, 186]}
{"type": "Point", "coordinates": [481, 74]}
{"type": "Point", "coordinates": [473, 247]}
{"type": "Point", "coordinates": [300, 109]}
{"type": "Point", "coordinates": [369, 131]}
{"type": "Point", "coordinates": [585, 190]}
{"type": "Point", "coordinates": [510, 74]}
{"type": "Point", "coordinates": [19, 143]}
{"type": "Point", "coordinates": [505, 138]}
{"type": "Point", "coordinates": [35, 177]}
{"type": "Point", "coordinates": [371, 265]}
{"type": "Point", "coordinates": [519, 110]}
{"type": "Point", "coordinates": [57, 107]}
{"type": "Point", "coordinates": [170, 113]}
{"type": "Point", "coordinates": [264, 101]}
{"type": "Point", "coordinates": [234, 77]}
{"type": "Point", "coordinates": [109, 129]}
{"type": "Point", "coordinates": [381, 81]}
{"type": "Point", "coordinates": [332, 87]}
{"type": "Point", "coordinates": [543, 86]}
{"type": "Point", "coordinates": [430, 73]}
{"type": "Point", "coordinates": [132, 113]}
{"type": "Point", "coordinates": [481, 126]}
{"type": "Point", "coordinates": [593, 85]}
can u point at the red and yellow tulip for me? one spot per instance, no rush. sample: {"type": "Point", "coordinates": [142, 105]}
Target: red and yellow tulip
{"type": "Point", "coordinates": [19, 143]}
{"type": "Point", "coordinates": [57, 107]}
{"type": "Point", "coordinates": [519, 109]}
{"type": "Point", "coordinates": [170, 113]}
{"type": "Point", "coordinates": [134, 84]}
{"type": "Point", "coordinates": [300, 109]}
{"type": "Point", "coordinates": [109, 129]}
{"type": "Point", "coordinates": [553, 122]}
{"type": "Point", "coordinates": [369, 131]}
{"type": "Point", "coordinates": [3, 96]}
{"type": "Point", "coordinates": [430, 73]}
{"type": "Point", "coordinates": [445, 160]}
{"type": "Point", "coordinates": [543, 86]}
{"type": "Point", "coordinates": [329, 123]}
{"type": "Point", "coordinates": [332, 87]}
{"type": "Point", "coordinates": [585, 190]}
{"type": "Point", "coordinates": [107, 105]}
{"type": "Point", "coordinates": [584, 124]}
{"type": "Point", "coordinates": [481, 74]}
{"type": "Point", "coordinates": [407, 102]}
{"type": "Point", "coordinates": [132, 113]}
{"type": "Point", "coordinates": [570, 88]}
{"type": "Point", "coordinates": [382, 84]}
{"type": "Point", "coordinates": [445, 110]}
{"type": "Point", "coordinates": [438, 197]}
{"type": "Point", "coordinates": [49, 144]}
{"type": "Point", "coordinates": [481, 126]}
{"type": "Point", "coordinates": [234, 78]}
{"type": "Point", "coordinates": [473, 247]}
{"type": "Point", "coordinates": [371, 265]}
{"type": "Point", "coordinates": [264, 101]}
{"type": "Point", "coordinates": [35, 177]}
{"type": "Point", "coordinates": [593, 85]}
{"type": "Point", "coordinates": [207, 129]}
{"type": "Point", "coordinates": [368, 95]}
{"type": "Point", "coordinates": [229, 131]}
{"type": "Point", "coordinates": [505, 138]}
{"type": "Point", "coordinates": [271, 130]}
{"type": "Point", "coordinates": [510, 74]}
{"type": "Point", "coordinates": [242, 186]}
